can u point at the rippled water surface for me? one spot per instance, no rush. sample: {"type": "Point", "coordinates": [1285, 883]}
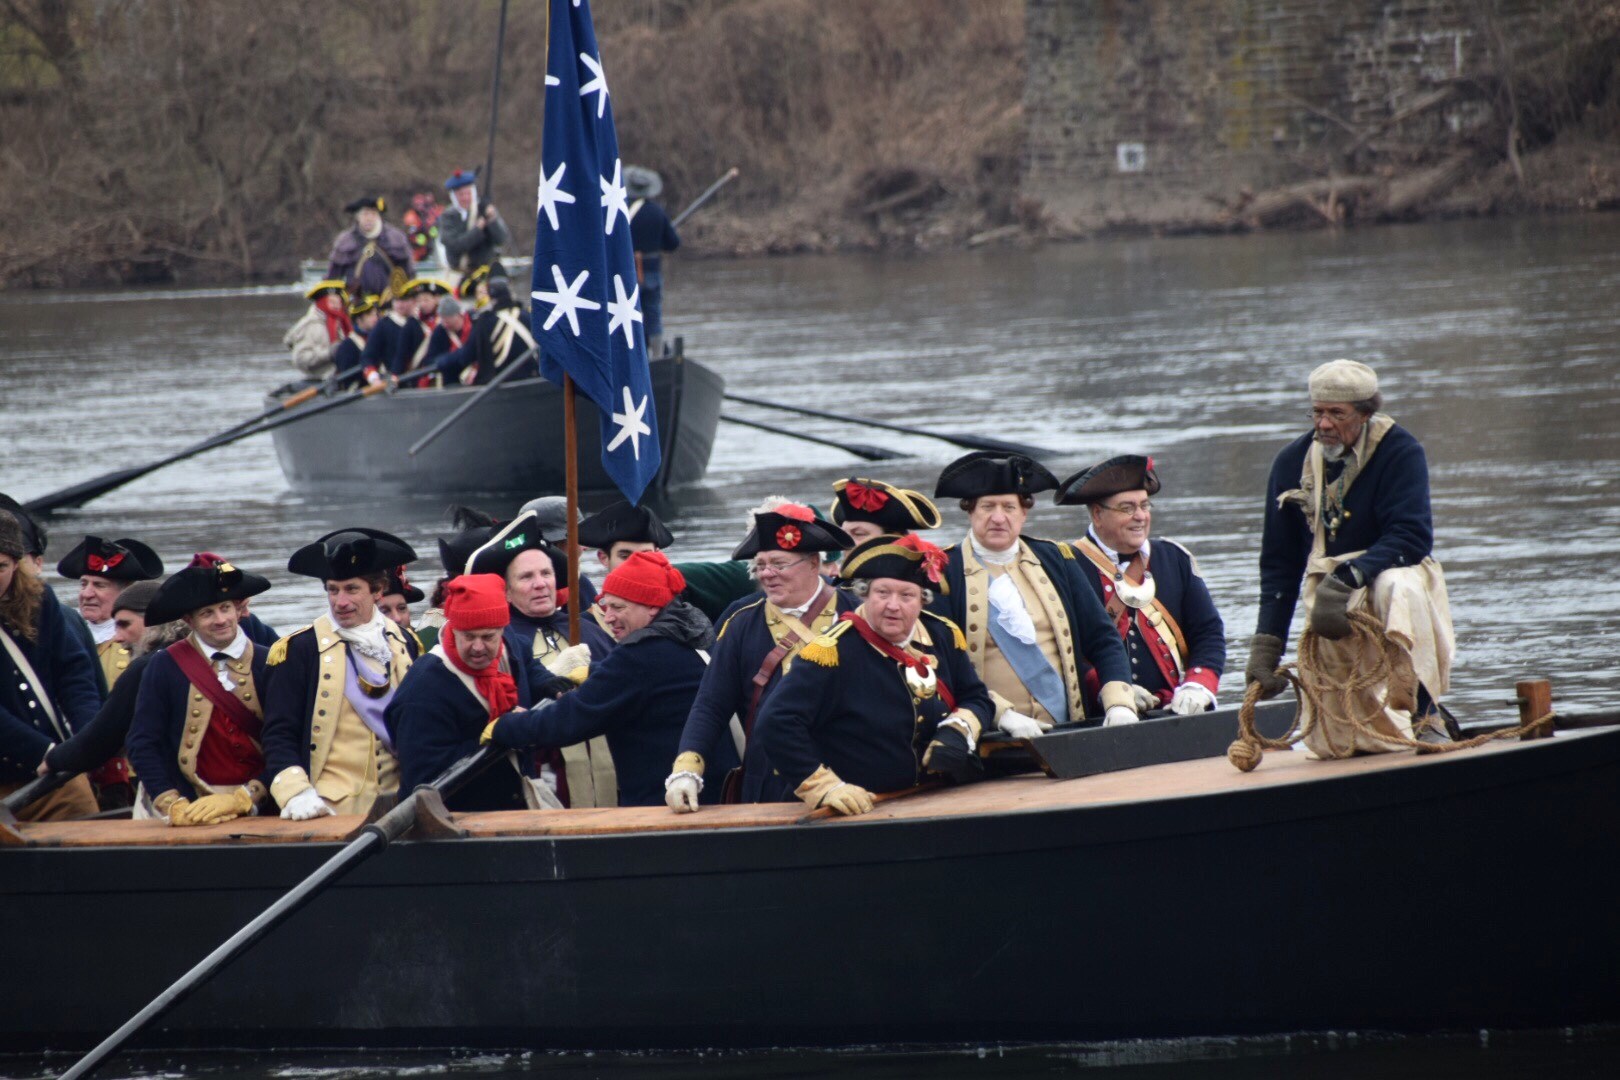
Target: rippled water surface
{"type": "Point", "coordinates": [1496, 343]}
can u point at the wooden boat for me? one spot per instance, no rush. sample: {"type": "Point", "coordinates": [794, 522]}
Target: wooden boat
{"type": "Point", "coordinates": [312, 270]}
{"type": "Point", "coordinates": [511, 442]}
{"type": "Point", "coordinates": [1398, 892]}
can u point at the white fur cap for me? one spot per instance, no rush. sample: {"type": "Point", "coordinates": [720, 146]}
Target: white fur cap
{"type": "Point", "coordinates": [1343, 380]}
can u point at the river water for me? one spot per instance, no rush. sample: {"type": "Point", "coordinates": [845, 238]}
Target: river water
{"type": "Point", "coordinates": [1495, 342]}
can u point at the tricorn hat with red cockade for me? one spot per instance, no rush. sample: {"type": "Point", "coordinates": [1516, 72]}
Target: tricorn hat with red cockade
{"type": "Point", "coordinates": [894, 509]}
{"type": "Point", "coordinates": [794, 528]}
{"type": "Point", "coordinates": [117, 560]}
{"type": "Point", "coordinates": [906, 558]}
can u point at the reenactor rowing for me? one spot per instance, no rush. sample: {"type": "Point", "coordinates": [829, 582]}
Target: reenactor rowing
{"type": "Point", "coordinates": [836, 658]}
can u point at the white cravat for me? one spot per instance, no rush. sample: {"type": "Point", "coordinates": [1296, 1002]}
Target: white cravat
{"type": "Point", "coordinates": [369, 639]}
{"type": "Point", "coordinates": [234, 650]}
{"type": "Point", "coordinates": [101, 632]}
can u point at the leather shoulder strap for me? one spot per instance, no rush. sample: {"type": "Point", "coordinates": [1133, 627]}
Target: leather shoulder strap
{"type": "Point", "coordinates": [201, 675]}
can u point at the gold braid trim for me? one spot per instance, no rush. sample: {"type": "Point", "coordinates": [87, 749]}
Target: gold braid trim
{"type": "Point", "coordinates": [278, 651]}
{"type": "Point", "coordinates": [823, 648]}
{"type": "Point", "coordinates": [956, 631]}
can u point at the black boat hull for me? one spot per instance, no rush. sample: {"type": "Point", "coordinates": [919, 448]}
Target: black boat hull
{"type": "Point", "coordinates": [1462, 892]}
{"type": "Point", "coordinates": [512, 442]}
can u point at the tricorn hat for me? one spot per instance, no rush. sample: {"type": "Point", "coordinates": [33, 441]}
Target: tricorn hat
{"type": "Point", "coordinates": [623, 522]}
{"type": "Point", "coordinates": [469, 281]}
{"type": "Point", "coordinates": [359, 305]}
{"type": "Point", "coordinates": [904, 558]}
{"type": "Point", "coordinates": [321, 288]}
{"type": "Point", "coordinates": [427, 285]}
{"type": "Point", "coordinates": [503, 545]}
{"type": "Point", "coordinates": [198, 586]}
{"type": "Point", "coordinates": [792, 528]}
{"type": "Point", "coordinates": [399, 583]}
{"type": "Point", "coordinates": [118, 560]}
{"type": "Point", "coordinates": [1127, 472]}
{"type": "Point", "coordinates": [990, 472]}
{"type": "Point", "coordinates": [33, 532]}
{"type": "Point", "coordinates": [351, 553]}
{"type": "Point", "coordinates": [374, 202]}
{"type": "Point", "coordinates": [895, 509]}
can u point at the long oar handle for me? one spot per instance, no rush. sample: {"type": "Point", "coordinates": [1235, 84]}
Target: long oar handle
{"type": "Point", "coordinates": [969, 441]}
{"type": "Point", "coordinates": [31, 792]}
{"type": "Point", "coordinates": [860, 450]}
{"type": "Point", "coordinates": [692, 206]}
{"type": "Point", "coordinates": [444, 425]}
{"type": "Point", "coordinates": [372, 839]}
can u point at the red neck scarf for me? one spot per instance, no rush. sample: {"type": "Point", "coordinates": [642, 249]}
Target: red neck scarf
{"type": "Point", "coordinates": [897, 654]}
{"type": "Point", "coordinates": [337, 319]}
{"type": "Point", "coordinates": [495, 686]}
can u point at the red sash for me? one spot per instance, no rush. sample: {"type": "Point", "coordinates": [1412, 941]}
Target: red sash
{"type": "Point", "coordinates": [899, 655]}
{"type": "Point", "coordinates": [230, 752]}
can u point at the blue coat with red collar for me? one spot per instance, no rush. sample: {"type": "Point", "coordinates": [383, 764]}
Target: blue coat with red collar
{"type": "Point", "coordinates": [158, 726]}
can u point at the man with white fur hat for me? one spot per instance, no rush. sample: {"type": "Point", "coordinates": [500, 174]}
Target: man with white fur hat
{"type": "Point", "coordinates": [1348, 524]}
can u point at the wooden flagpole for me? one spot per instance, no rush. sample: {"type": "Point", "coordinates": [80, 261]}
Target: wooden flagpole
{"type": "Point", "coordinates": [570, 415]}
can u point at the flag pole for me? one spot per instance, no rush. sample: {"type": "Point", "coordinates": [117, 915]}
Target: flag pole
{"type": "Point", "coordinates": [571, 458]}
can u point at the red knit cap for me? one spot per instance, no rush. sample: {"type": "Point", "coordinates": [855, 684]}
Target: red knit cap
{"type": "Point", "coordinates": [645, 578]}
{"type": "Point", "coordinates": [476, 602]}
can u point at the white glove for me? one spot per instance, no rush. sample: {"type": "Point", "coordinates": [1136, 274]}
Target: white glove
{"type": "Point", "coordinates": [1119, 714]}
{"type": "Point", "coordinates": [1191, 698]}
{"type": "Point", "coordinates": [305, 805]}
{"type": "Point", "coordinates": [681, 793]}
{"type": "Point", "coordinates": [1145, 699]}
{"type": "Point", "coordinates": [1020, 726]}
{"type": "Point", "coordinates": [568, 661]}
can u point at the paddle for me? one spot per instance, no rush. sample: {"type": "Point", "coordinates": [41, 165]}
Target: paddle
{"type": "Point", "coordinates": [295, 400]}
{"type": "Point", "coordinates": [444, 425]}
{"type": "Point", "coordinates": [81, 493]}
{"type": "Point", "coordinates": [860, 450]}
{"type": "Point", "coordinates": [372, 839]}
{"type": "Point", "coordinates": [692, 206]}
{"type": "Point", "coordinates": [35, 789]}
{"type": "Point", "coordinates": [968, 441]}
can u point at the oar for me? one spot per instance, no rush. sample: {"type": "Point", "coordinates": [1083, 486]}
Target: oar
{"type": "Point", "coordinates": [692, 206]}
{"type": "Point", "coordinates": [860, 450]}
{"type": "Point", "coordinates": [294, 400]}
{"type": "Point", "coordinates": [969, 441]}
{"type": "Point", "coordinates": [82, 493]}
{"type": "Point", "coordinates": [444, 425]}
{"type": "Point", "coordinates": [35, 789]}
{"type": "Point", "coordinates": [372, 839]}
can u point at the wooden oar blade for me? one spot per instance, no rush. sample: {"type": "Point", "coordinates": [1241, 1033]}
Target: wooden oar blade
{"type": "Point", "coordinates": [1000, 446]}
{"type": "Point", "coordinates": [872, 453]}
{"type": "Point", "coordinates": [81, 493]}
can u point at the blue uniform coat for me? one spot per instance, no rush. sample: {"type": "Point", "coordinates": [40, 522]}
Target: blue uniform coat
{"type": "Point", "coordinates": [1389, 517]}
{"type": "Point", "coordinates": [858, 717]}
{"type": "Point", "coordinates": [159, 723]}
{"type": "Point", "coordinates": [66, 671]}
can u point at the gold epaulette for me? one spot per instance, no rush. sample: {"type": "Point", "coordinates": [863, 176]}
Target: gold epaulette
{"type": "Point", "coordinates": [956, 631]}
{"type": "Point", "coordinates": [1068, 552]}
{"type": "Point", "coordinates": [722, 631]}
{"type": "Point", "coordinates": [823, 648]}
{"type": "Point", "coordinates": [278, 651]}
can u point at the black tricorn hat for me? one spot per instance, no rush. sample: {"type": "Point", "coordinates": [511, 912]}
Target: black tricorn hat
{"type": "Point", "coordinates": [118, 560]}
{"type": "Point", "coordinates": [904, 558]}
{"type": "Point", "coordinates": [375, 202]}
{"type": "Point", "coordinates": [1127, 472]}
{"type": "Point", "coordinates": [503, 545]}
{"type": "Point", "coordinates": [896, 509]}
{"type": "Point", "coordinates": [398, 583]}
{"type": "Point", "coordinates": [197, 587]}
{"type": "Point", "coordinates": [623, 522]}
{"type": "Point", "coordinates": [989, 472]}
{"type": "Point", "coordinates": [351, 553]}
{"type": "Point", "coordinates": [33, 532]}
{"type": "Point", "coordinates": [792, 528]}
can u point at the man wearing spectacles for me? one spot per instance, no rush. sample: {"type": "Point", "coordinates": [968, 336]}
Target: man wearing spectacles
{"type": "Point", "coordinates": [1347, 510]}
{"type": "Point", "coordinates": [1034, 627]}
{"type": "Point", "coordinates": [759, 639]}
{"type": "Point", "coordinates": [1151, 588]}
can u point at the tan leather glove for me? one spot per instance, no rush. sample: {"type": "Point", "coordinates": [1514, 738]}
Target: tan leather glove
{"type": "Point", "coordinates": [571, 663]}
{"type": "Point", "coordinates": [823, 788]}
{"type": "Point", "coordinates": [213, 809]}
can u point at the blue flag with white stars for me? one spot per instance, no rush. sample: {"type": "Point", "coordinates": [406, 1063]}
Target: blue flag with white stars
{"type": "Point", "coordinates": [586, 314]}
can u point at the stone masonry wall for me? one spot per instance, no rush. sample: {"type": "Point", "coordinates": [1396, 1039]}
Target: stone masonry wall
{"type": "Point", "coordinates": [1158, 111]}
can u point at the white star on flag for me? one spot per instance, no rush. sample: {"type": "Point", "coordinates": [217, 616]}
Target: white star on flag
{"type": "Point", "coordinates": [566, 299]}
{"type": "Point", "coordinates": [631, 425]}
{"type": "Point", "coordinates": [625, 312]}
{"type": "Point", "coordinates": [614, 197]}
{"type": "Point", "coordinates": [552, 193]}
{"type": "Point", "coordinates": [597, 85]}
{"type": "Point", "coordinates": [552, 80]}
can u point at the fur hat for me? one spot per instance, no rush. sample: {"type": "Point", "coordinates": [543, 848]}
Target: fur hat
{"type": "Point", "coordinates": [11, 537]}
{"type": "Point", "coordinates": [1343, 380]}
{"type": "Point", "coordinates": [645, 578]}
{"type": "Point", "coordinates": [33, 532]}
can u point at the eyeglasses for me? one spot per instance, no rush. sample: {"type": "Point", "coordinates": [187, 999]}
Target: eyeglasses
{"type": "Point", "coordinates": [764, 566]}
{"type": "Point", "coordinates": [1130, 509]}
{"type": "Point", "coordinates": [1337, 416]}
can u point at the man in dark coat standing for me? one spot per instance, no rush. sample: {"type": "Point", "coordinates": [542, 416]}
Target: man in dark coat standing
{"type": "Point", "coordinates": [652, 235]}
{"type": "Point", "coordinates": [195, 740]}
{"type": "Point", "coordinates": [640, 693]}
{"type": "Point", "coordinates": [371, 255]}
{"type": "Point", "coordinates": [1347, 514]}
{"type": "Point", "coordinates": [451, 696]}
{"type": "Point", "coordinates": [472, 234]}
{"type": "Point", "coordinates": [1034, 626]}
{"type": "Point", "coordinates": [1151, 588]}
{"type": "Point", "coordinates": [885, 698]}
{"type": "Point", "coordinates": [758, 640]}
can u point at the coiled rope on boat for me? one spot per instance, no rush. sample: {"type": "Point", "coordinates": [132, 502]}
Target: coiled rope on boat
{"type": "Point", "coordinates": [1314, 689]}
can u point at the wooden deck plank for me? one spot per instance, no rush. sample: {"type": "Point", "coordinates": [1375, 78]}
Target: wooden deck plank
{"type": "Point", "coordinates": [1012, 794]}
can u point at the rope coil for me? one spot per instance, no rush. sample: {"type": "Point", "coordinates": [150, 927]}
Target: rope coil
{"type": "Point", "coordinates": [1311, 686]}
